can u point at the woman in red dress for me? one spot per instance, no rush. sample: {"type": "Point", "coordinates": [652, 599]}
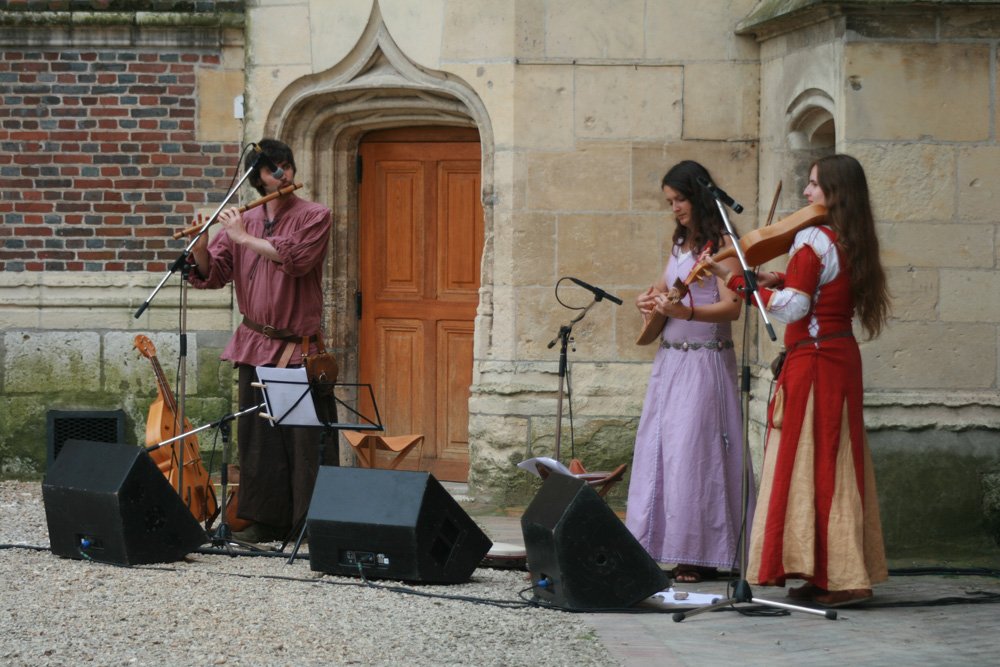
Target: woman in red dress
{"type": "Point", "coordinates": [817, 514]}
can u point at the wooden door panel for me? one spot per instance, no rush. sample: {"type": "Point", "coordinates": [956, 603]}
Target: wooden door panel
{"type": "Point", "coordinates": [454, 355]}
{"type": "Point", "coordinates": [400, 230]}
{"type": "Point", "coordinates": [460, 230]}
{"type": "Point", "coordinates": [421, 238]}
{"type": "Point", "coordinates": [400, 344]}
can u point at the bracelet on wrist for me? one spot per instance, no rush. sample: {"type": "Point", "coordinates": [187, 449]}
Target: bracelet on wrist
{"type": "Point", "coordinates": [691, 316]}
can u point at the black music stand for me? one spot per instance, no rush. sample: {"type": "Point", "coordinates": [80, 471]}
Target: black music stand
{"type": "Point", "coordinates": [290, 400]}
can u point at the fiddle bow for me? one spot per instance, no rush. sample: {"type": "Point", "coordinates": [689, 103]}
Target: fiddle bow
{"type": "Point", "coordinates": [774, 205]}
{"type": "Point", "coordinates": [764, 244]}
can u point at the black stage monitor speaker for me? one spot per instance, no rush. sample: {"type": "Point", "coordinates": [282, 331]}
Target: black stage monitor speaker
{"type": "Point", "coordinates": [391, 524]}
{"type": "Point", "coordinates": [580, 554]}
{"type": "Point", "coordinates": [109, 502]}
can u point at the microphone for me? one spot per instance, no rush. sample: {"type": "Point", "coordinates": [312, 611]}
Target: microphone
{"type": "Point", "coordinates": [598, 292]}
{"type": "Point", "coordinates": [262, 158]}
{"type": "Point", "coordinates": [720, 194]}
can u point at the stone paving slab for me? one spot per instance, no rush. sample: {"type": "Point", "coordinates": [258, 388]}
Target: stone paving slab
{"type": "Point", "coordinates": [902, 625]}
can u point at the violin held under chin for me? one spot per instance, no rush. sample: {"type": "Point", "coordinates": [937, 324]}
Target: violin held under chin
{"type": "Point", "coordinates": [764, 244]}
{"type": "Point", "coordinates": [758, 246]}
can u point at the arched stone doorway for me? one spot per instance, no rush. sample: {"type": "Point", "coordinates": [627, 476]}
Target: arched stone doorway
{"type": "Point", "coordinates": [325, 117]}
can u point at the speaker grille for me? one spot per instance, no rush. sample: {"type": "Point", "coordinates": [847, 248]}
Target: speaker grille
{"type": "Point", "coordinates": [92, 425]}
{"type": "Point", "coordinates": [444, 542]}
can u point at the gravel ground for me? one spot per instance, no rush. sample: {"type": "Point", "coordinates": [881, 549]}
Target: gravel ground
{"type": "Point", "coordinates": [244, 610]}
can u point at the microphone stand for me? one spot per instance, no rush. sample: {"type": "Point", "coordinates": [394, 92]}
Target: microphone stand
{"type": "Point", "coordinates": [181, 263]}
{"type": "Point", "coordinates": [222, 535]}
{"type": "Point", "coordinates": [748, 274]}
{"type": "Point", "coordinates": [742, 591]}
{"type": "Point", "coordinates": [563, 337]}
{"type": "Point", "coordinates": [187, 251]}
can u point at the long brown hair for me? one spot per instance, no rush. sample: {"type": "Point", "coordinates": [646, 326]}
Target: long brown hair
{"type": "Point", "coordinates": [706, 221]}
{"type": "Point", "coordinates": [849, 213]}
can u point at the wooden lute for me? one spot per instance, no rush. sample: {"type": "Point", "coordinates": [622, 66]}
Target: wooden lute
{"type": "Point", "coordinates": [759, 246]}
{"type": "Point", "coordinates": [162, 424]}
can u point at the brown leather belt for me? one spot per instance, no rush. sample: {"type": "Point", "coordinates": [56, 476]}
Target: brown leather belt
{"type": "Point", "coordinates": [271, 332]}
{"type": "Point", "coordinates": [816, 341]}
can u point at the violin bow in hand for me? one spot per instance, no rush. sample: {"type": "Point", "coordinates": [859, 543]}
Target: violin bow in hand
{"type": "Point", "coordinates": [770, 215]}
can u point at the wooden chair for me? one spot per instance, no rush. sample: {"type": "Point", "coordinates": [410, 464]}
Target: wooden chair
{"type": "Point", "coordinates": [367, 446]}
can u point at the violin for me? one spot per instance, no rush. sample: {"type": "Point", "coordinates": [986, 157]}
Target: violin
{"type": "Point", "coordinates": [758, 246]}
{"type": "Point", "coordinates": [762, 245]}
{"type": "Point", "coordinates": [162, 424]}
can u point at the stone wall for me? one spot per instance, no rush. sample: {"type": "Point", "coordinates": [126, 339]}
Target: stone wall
{"type": "Point", "coordinates": [911, 92]}
{"type": "Point", "coordinates": [581, 106]}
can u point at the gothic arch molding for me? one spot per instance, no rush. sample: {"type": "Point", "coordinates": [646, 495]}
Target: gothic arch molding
{"type": "Point", "coordinates": [811, 123]}
{"type": "Point", "coordinates": [325, 115]}
{"type": "Point", "coordinates": [811, 133]}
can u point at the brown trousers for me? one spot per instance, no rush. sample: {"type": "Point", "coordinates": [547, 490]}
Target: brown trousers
{"type": "Point", "coordinates": [278, 464]}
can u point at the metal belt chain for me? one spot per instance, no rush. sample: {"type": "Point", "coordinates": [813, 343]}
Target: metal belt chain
{"type": "Point", "coordinates": [707, 345]}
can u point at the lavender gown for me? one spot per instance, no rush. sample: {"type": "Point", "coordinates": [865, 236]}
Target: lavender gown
{"type": "Point", "coordinates": [685, 497]}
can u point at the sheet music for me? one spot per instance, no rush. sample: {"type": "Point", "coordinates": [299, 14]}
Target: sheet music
{"type": "Point", "coordinates": [671, 599]}
{"type": "Point", "coordinates": [531, 466]}
{"type": "Point", "coordinates": [287, 398]}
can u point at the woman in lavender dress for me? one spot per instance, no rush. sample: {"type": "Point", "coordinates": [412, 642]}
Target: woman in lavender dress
{"type": "Point", "coordinates": [685, 498]}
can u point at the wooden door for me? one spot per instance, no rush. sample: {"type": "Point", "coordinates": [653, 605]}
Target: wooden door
{"type": "Point", "coordinates": [421, 240]}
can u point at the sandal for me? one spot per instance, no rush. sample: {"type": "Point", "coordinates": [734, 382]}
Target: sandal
{"type": "Point", "coordinates": [693, 574]}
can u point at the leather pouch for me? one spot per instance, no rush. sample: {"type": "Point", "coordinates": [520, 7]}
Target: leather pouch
{"type": "Point", "coordinates": [322, 371]}
{"type": "Point", "coordinates": [778, 362]}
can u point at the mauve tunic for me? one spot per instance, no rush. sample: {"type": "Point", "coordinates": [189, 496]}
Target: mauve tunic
{"type": "Point", "coordinates": [288, 295]}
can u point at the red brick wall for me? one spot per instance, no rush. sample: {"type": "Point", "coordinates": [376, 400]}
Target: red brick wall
{"type": "Point", "coordinates": [99, 163]}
